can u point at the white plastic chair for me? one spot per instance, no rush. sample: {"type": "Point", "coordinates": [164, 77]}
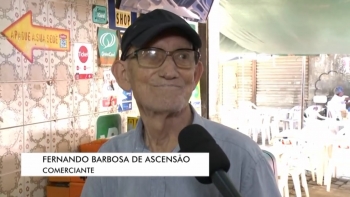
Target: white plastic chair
{"type": "Point", "coordinates": [293, 117]}
{"type": "Point", "coordinates": [247, 105]}
{"type": "Point", "coordinates": [247, 110]}
{"type": "Point", "coordinates": [266, 129]}
{"type": "Point", "coordinates": [339, 155]}
{"type": "Point", "coordinates": [291, 163]}
{"type": "Point", "coordinates": [314, 148]}
{"type": "Point", "coordinates": [275, 123]}
{"type": "Point", "coordinates": [255, 124]}
{"type": "Point", "coordinates": [243, 125]}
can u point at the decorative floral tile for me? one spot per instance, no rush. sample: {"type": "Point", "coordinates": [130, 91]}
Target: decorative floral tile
{"type": "Point", "coordinates": [37, 138]}
{"type": "Point", "coordinates": [81, 2]}
{"type": "Point", "coordinates": [83, 130]}
{"type": "Point", "coordinates": [11, 147]}
{"type": "Point", "coordinates": [83, 97]}
{"type": "Point", "coordinates": [62, 135]}
{"type": "Point", "coordinates": [98, 71]}
{"type": "Point", "coordinates": [101, 2]}
{"type": "Point", "coordinates": [12, 184]}
{"type": "Point", "coordinates": [10, 71]}
{"type": "Point", "coordinates": [82, 24]}
{"type": "Point", "coordinates": [10, 66]}
{"type": "Point", "coordinates": [35, 186]}
{"type": "Point", "coordinates": [11, 104]}
{"type": "Point", "coordinates": [36, 102]}
{"type": "Point", "coordinates": [60, 16]}
{"type": "Point", "coordinates": [61, 66]}
{"type": "Point", "coordinates": [61, 100]}
{"type": "Point", "coordinates": [38, 70]}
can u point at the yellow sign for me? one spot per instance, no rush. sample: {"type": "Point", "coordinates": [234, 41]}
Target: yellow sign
{"type": "Point", "coordinates": [132, 122]}
{"type": "Point", "coordinates": [122, 18]}
{"type": "Point", "coordinates": [26, 37]}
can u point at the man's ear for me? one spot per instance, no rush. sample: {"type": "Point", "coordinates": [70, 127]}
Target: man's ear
{"type": "Point", "coordinates": [198, 73]}
{"type": "Point", "coordinates": [120, 73]}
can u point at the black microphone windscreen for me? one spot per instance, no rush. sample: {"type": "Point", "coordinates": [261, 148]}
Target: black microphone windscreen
{"type": "Point", "coordinates": [196, 139]}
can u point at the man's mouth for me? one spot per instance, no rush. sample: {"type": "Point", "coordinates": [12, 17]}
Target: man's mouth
{"type": "Point", "coordinates": [168, 85]}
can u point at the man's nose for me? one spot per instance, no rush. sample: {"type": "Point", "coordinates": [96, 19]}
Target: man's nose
{"type": "Point", "coordinates": [168, 70]}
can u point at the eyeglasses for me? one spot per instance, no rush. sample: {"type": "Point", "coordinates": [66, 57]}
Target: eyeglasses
{"type": "Point", "coordinates": [155, 57]}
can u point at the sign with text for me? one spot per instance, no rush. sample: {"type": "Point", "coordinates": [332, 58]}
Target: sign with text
{"type": "Point", "coordinates": [115, 164]}
{"type": "Point", "coordinates": [26, 37]}
{"type": "Point", "coordinates": [83, 61]}
{"type": "Point", "coordinates": [122, 18]}
{"type": "Point", "coordinates": [108, 46]}
{"type": "Point", "coordinates": [195, 10]}
{"type": "Point", "coordinates": [115, 16]}
{"type": "Point", "coordinates": [99, 14]}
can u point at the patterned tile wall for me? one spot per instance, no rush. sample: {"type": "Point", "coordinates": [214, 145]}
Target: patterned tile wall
{"type": "Point", "coordinates": [42, 107]}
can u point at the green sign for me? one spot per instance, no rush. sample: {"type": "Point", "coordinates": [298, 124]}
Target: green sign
{"type": "Point", "coordinates": [108, 126]}
{"type": "Point", "coordinates": [193, 26]}
{"type": "Point", "coordinates": [99, 14]}
{"type": "Point", "coordinates": [196, 94]}
{"type": "Point", "coordinates": [108, 43]}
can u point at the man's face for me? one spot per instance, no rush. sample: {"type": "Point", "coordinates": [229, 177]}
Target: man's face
{"type": "Point", "coordinates": [340, 94]}
{"type": "Point", "coordinates": [166, 88]}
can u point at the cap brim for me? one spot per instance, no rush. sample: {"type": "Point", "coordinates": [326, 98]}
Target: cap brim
{"type": "Point", "coordinates": [151, 33]}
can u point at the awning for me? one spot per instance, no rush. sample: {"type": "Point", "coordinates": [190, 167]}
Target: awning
{"type": "Point", "coordinates": [285, 26]}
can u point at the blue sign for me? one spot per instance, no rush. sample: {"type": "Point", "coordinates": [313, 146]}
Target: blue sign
{"type": "Point", "coordinates": [125, 106]}
{"type": "Point", "coordinates": [127, 96]}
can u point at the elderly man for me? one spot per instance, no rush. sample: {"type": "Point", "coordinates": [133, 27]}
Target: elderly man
{"type": "Point", "coordinates": [160, 64]}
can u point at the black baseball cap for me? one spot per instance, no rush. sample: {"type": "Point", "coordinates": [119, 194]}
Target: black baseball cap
{"type": "Point", "coordinates": [148, 26]}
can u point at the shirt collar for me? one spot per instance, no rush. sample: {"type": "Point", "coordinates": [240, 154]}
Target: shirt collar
{"type": "Point", "coordinates": [140, 145]}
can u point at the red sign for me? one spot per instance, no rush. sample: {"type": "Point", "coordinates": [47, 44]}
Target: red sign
{"type": "Point", "coordinates": [83, 54]}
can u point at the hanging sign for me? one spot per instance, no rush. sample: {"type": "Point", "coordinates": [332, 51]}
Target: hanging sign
{"type": "Point", "coordinates": [119, 19]}
{"type": "Point", "coordinates": [122, 18]}
{"type": "Point", "coordinates": [99, 14]}
{"type": "Point", "coordinates": [108, 46]}
{"type": "Point", "coordinates": [26, 37]}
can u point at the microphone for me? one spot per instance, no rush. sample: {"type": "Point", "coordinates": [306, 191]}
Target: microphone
{"type": "Point", "coordinates": [195, 138]}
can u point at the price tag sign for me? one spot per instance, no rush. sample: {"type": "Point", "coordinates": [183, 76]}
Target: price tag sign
{"type": "Point", "coordinates": [122, 18]}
